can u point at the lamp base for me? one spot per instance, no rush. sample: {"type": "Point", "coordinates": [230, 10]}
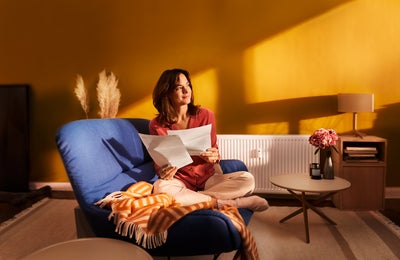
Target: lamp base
{"type": "Point", "coordinates": [358, 134]}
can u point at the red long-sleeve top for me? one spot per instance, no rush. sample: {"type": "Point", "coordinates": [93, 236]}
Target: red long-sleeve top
{"type": "Point", "coordinates": [195, 174]}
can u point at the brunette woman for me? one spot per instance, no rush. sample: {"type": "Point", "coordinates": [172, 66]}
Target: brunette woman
{"type": "Point", "coordinates": [202, 180]}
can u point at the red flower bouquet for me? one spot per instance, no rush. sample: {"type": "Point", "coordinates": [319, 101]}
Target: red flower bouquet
{"type": "Point", "coordinates": [324, 139]}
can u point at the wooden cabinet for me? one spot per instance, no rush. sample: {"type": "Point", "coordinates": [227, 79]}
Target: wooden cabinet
{"type": "Point", "coordinates": [14, 138]}
{"type": "Point", "coordinates": [366, 171]}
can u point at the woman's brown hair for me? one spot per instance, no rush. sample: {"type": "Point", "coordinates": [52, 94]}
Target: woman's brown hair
{"type": "Point", "coordinates": [166, 84]}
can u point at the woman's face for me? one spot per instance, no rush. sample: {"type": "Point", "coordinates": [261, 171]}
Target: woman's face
{"type": "Point", "coordinates": [182, 94]}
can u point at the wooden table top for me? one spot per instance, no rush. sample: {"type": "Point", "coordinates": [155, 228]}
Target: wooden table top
{"type": "Point", "coordinates": [303, 182]}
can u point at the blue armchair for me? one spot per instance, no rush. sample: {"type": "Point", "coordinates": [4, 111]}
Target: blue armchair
{"type": "Point", "coordinates": [106, 155]}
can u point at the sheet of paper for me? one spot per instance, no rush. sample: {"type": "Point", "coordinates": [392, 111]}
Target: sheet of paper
{"type": "Point", "coordinates": [166, 149]}
{"type": "Point", "coordinates": [196, 140]}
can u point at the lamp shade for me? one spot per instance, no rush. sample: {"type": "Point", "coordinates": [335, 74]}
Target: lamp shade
{"type": "Point", "coordinates": [355, 102]}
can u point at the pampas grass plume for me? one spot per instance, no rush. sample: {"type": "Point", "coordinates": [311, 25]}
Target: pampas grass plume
{"type": "Point", "coordinates": [108, 95]}
{"type": "Point", "coordinates": [82, 94]}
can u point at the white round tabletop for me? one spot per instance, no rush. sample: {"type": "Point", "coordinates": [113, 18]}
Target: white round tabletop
{"type": "Point", "coordinates": [303, 182]}
{"type": "Point", "coordinates": [90, 248]}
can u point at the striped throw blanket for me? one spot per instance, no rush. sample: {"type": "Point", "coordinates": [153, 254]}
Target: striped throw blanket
{"type": "Point", "coordinates": [146, 216]}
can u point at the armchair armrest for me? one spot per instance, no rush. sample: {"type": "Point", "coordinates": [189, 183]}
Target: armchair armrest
{"type": "Point", "coordinates": [232, 165]}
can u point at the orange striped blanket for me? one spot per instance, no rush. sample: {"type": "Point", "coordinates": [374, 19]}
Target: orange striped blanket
{"type": "Point", "coordinates": [137, 212]}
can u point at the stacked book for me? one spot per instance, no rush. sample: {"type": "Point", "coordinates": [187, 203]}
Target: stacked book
{"type": "Point", "coordinates": [361, 154]}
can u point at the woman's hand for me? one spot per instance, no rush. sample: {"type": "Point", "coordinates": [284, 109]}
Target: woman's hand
{"type": "Point", "coordinates": [211, 155]}
{"type": "Point", "coordinates": [167, 172]}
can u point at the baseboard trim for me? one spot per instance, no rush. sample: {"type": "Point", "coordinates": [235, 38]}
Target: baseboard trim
{"type": "Point", "coordinates": [390, 192]}
{"type": "Point", "coordinates": [57, 186]}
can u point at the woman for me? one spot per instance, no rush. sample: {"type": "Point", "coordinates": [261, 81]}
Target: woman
{"type": "Point", "coordinates": [202, 180]}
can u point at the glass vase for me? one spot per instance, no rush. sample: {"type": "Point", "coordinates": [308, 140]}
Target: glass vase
{"type": "Point", "coordinates": [328, 166]}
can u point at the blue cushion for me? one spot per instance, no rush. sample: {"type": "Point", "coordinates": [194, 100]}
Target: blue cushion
{"type": "Point", "coordinates": [102, 156]}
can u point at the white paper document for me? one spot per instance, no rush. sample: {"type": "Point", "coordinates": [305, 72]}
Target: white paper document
{"type": "Point", "coordinates": [175, 148]}
{"type": "Point", "coordinates": [166, 150]}
{"type": "Point", "coordinates": [196, 140]}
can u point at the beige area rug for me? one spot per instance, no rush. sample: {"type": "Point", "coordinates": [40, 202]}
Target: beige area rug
{"type": "Point", "coordinates": [47, 222]}
{"type": "Point", "coordinates": [357, 235]}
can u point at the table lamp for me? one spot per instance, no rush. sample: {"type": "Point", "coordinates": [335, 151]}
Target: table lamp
{"type": "Point", "coordinates": [355, 103]}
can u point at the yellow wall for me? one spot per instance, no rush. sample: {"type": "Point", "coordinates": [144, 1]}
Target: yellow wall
{"type": "Point", "coordinates": [263, 66]}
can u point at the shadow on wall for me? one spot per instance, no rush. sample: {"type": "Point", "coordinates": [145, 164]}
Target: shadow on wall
{"type": "Point", "coordinates": [215, 37]}
{"type": "Point", "coordinates": [137, 40]}
{"type": "Point", "coordinates": [287, 110]}
{"type": "Point", "coordinates": [387, 125]}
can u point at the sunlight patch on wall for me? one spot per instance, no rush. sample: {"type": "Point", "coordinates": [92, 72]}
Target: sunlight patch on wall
{"type": "Point", "coordinates": [365, 121]}
{"type": "Point", "coordinates": [205, 85]}
{"type": "Point", "coordinates": [342, 50]}
{"type": "Point", "coordinates": [290, 65]}
{"type": "Point", "coordinates": [142, 109]}
{"type": "Point", "coordinates": [205, 88]}
{"type": "Point", "coordinates": [337, 122]}
{"type": "Point", "coordinates": [341, 123]}
{"type": "Point", "coordinates": [270, 128]}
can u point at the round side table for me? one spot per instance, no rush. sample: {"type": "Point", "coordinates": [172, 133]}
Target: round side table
{"type": "Point", "coordinates": [302, 183]}
{"type": "Point", "coordinates": [90, 248]}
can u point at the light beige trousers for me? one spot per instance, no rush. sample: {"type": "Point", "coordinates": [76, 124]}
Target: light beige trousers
{"type": "Point", "coordinates": [219, 186]}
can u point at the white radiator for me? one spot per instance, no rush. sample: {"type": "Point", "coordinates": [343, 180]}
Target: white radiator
{"type": "Point", "coordinates": [269, 155]}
